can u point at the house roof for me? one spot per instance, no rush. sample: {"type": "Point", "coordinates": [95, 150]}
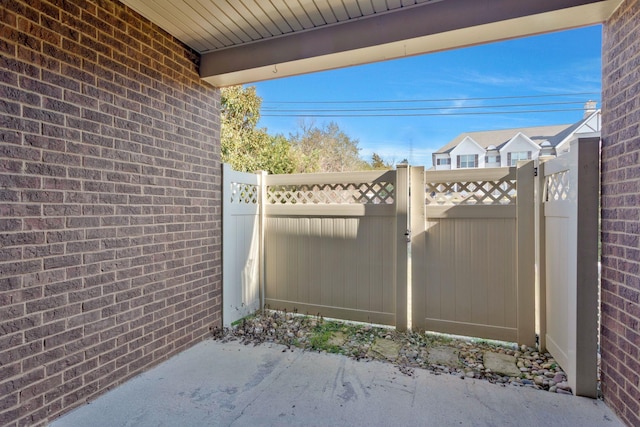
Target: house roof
{"type": "Point", "coordinates": [559, 138]}
{"type": "Point", "coordinates": [537, 134]}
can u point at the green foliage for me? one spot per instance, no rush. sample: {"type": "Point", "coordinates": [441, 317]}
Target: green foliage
{"type": "Point", "coordinates": [377, 163]}
{"type": "Point", "coordinates": [244, 146]}
{"type": "Point", "coordinates": [325, 148]}
{"type": "Point", "coordinates": [320, 339]}
{"type": "Point", "coordinates": [313, 148]}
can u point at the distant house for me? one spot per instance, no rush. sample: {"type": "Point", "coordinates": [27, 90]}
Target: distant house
{"type": "Point", "coordinates": [498, 148]}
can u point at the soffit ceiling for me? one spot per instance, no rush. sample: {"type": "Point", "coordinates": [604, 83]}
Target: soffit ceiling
{"type": "Point", "coordinates": [250, 40]}
{"type": "Point", "coordinates": [209, 25]}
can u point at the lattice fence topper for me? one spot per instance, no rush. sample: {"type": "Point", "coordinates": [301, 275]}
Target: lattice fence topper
{"type": "Point", "coordinates": [502, 192]}
{"type": "Point", "coordinates": [556, 187]}
{"type": "Point", "coordinates": [244, 193]}
{"type": "Point", "coordinates": [376, 193]}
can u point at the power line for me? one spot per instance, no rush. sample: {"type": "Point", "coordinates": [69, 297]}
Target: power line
{"type": "Point", "coordinates": [275, 110]}
{"type": "Point", "coordinates": [382, 101]}
{"type": "Point", "coordinates": [468, 113]}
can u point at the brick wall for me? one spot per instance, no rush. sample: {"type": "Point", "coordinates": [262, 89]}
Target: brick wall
{"type": "Point", "coordinates": [109, 202]}
{"type": "Point", "coordinates": [621, 212]}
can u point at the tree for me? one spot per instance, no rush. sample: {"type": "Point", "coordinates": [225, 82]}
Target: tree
{"type": "Point", "coordinates": [325, 149]}
{"type": "Point", "coordinates": [243, 145]}
{"type": "Point", "coordinates": [313, 149]}
{"type": "Point", "coordinates": [377, 163]}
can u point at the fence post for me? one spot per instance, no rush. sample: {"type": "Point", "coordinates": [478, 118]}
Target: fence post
{"type": "Point", "coordinates": [418, 248]}
{"type": "Point", "coordinates": [541, 269]}
{"type": "Point", "coordinates": [526, 254]}
{"type": "Point", "coordinates": [586, 264]}
{"type": "Point", "coordinates": [262, 200]}
{"type": "Point", "coordinates": [403, 232]}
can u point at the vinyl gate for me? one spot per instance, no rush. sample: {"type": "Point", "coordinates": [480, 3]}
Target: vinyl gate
{"type": "Point", "coordinates": [569, 262]}
{"type": "Point", "coordinates": [473, 252]}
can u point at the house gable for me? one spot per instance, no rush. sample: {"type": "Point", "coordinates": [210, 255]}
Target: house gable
{"type": "Point", "coordinates": [467, 147]}
{"type": "Point", "coordinates": [519, 143]}
{"type": "Point", "coordinates": [590, 126]}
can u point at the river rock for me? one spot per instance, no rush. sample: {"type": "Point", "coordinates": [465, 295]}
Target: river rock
{"type": "Point", "coordinates": [501, 363]}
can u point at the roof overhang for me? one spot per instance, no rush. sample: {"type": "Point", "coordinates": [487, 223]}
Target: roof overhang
{"type": "Point", "coordinates": [422, 28]}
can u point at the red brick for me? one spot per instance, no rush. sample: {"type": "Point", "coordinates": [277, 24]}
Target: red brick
{"type": "Point", "coordinates": [23, 381]}
{"type": "Point", "coordinates": [90, 156]}
{"type": "Point", "coordinates": [39, 388]}
{"type": "Point", "coordinates": [80, 394]}
{"type": "Point", "coordinates": [62, 261]}
{"type": "Point", "coordinates": [44, 331]}
{"type": "Point", "coordinates": [79, 370]}
{"type": "Point", "coordinates": [16, 354]}
{"type": "Point", "coordinates": [620, 187]}
{"type": "Point", "coordinates": [40, 359]}
{"type": "Point", "coordinates": [8, 401]}
{"type": "Point", "coordinates": [61, 365]}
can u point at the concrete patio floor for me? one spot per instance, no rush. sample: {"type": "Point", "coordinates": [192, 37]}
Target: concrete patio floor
{"type": "Point", "coordinates": [230, 384]}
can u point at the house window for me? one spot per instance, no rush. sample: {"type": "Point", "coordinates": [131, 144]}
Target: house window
{"type": "Point", "coordinates": [492, 159]}
{"type": "Point", "coordinates": [440, 162]}
{"type": "Point", "coordinates": [518, 155]}
{"type": "Point", "coordinates": [467, 161]}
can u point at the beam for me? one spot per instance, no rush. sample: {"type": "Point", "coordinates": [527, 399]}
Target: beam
{"type": "Point", "coordinates": [425, 28]}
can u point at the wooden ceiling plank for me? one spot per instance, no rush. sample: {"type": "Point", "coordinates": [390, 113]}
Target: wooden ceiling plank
{"type": "Point", "coordinates": [300, 13]}
{"type": "Point", "coordinates": [313, 13]}
{"type": "Point", "coordinates": [262, 16]}
{"type": "Point", "coordinates": [339, 10]}
{"type": "Point", "coordinates": [275, 16]}
{"type": "Point", "coordinates": [282, 7]}
{"type": "Point", "coordinates": [366, 7]}
{"type": "Point", "coordinates": [352, 8]}
{"type": "Point", "coordinates": [379, 6]}
{"type": "Point", "coordinates": [236, 19]}
{"type": "Point", "coordinates": [163, 9]}
{"type": "Point", "coordinates": [327, 11]}
{"type": "Point", "coordinates": [394, 4]}
{"type": "Point", "coordinates": [219, 29]}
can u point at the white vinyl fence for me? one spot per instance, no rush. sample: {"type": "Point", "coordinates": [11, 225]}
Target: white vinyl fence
{"type": "Point", "coordinates": [241, 240]}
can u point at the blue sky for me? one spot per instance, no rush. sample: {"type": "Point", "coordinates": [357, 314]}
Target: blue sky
{"type": "Point", "coordinates": [536, 69]}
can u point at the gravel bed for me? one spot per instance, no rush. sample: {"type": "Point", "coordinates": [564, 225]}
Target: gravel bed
{"type": "Point", "coordinates": [537, 370]}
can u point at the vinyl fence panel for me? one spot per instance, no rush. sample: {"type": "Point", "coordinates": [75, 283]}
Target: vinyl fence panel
{"type": "Point", "coordinates": [331, 245]}
{"type": "Point", "coordinates": [240, 244]}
